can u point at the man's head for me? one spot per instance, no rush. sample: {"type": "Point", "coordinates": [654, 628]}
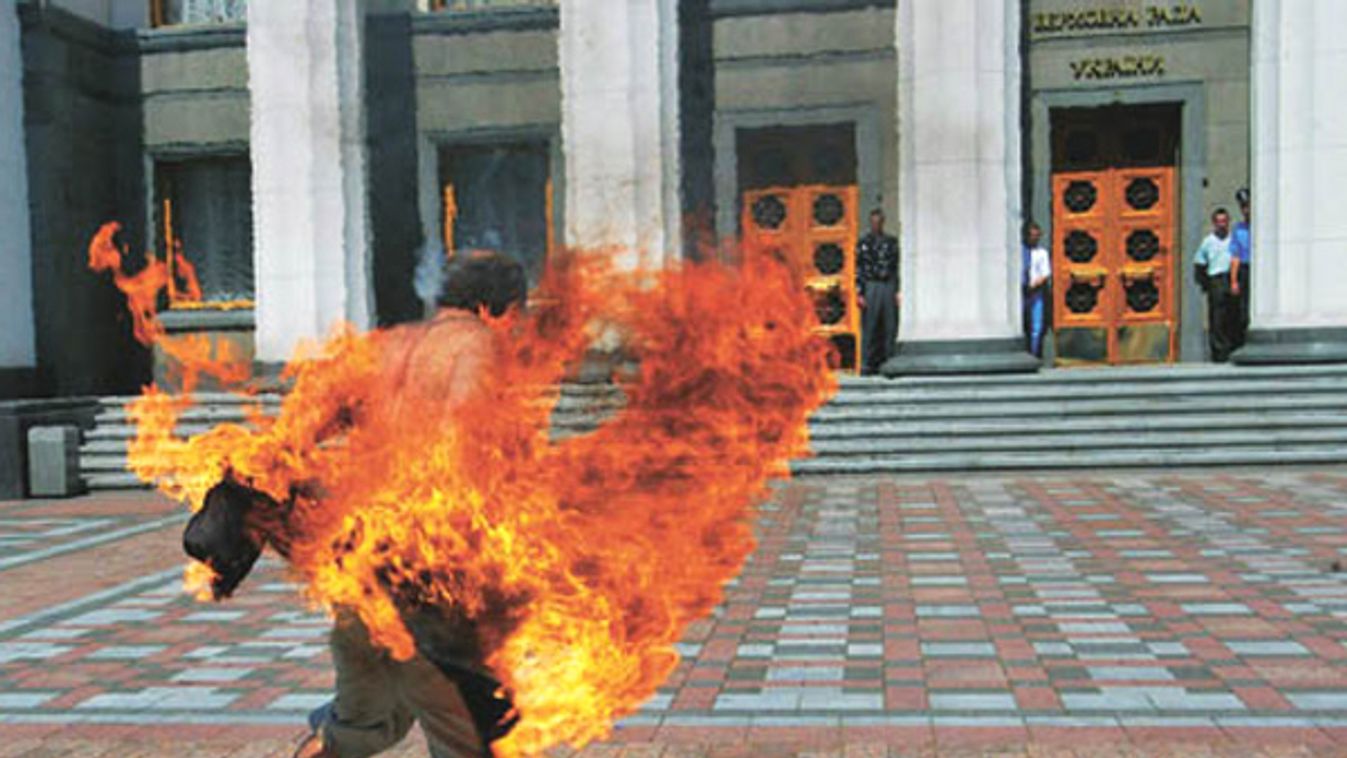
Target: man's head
{"type": "Point", "coordinates": [483, 281]}
{"type": "Point", "coordinates": [1220, 222]}
{"type": "Point", "coordinates": [1242, 198]}
{"type": "Point", "coordinates": [1032, 233]}
{"type": "Point", "coordinates": [877, 221]}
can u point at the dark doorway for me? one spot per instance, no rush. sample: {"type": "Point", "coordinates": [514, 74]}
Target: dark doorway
{"type": "Point", "coordinates": [794, 156]}
{"type": "Point", "coordinates": [496, 198]}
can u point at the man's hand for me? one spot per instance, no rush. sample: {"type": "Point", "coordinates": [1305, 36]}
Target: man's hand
{"type": "Point", "coordinates": [898, 299]}
{"type": "Point", "coordinates": [860, 300]}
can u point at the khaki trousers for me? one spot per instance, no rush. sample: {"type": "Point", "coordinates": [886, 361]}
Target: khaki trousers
{"type": "Point", "coordinates": [379, 698]}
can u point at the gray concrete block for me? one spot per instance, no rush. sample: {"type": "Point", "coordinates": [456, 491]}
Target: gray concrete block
{"type": "Point", "coordinates": [53, 461]}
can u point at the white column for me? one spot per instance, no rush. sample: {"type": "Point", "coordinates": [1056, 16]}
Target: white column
{"type": "Point", "coordinates": [619, 127]}
{"type": "Point", "coordinates": [17, 348]}
{"type": "Point", "coordinates": [310, 213]}
{"type": "Point", "coordinates": [1299, 164]}
{"type": "Point", "coordinates": [959, 173]}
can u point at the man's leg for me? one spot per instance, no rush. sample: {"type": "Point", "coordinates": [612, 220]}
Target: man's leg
{"type": "Point", "coordinates": [1036, 324]}
{"type": "Point", "coordinates": [888, 322]}
{"type": "Point", "coordinates": [1213, 324]}
{"type": "Point", "coordinates": [1245, 293]}
{"type": "Point", "coordinates": [870, 336]}
{"type": "Point", "coordinates": [436, 702]}
{"type": "Point", "coordinates": [1222, 311]}
{"type": "Point", "coordinates": [366, 717]}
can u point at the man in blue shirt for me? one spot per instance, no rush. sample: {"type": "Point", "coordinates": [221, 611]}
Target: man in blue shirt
{"type": "Point", "coordinates": [1211, 267]}
{"type": "Point", "coordinates": [1241, 245]}
{"type": "Point", "coordinates": [1036, 270]}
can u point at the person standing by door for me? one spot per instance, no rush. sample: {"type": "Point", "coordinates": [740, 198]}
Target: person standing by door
{"type": "Point", "coordinates": [877, 293]}
{"type": "Point", "coordinates": [1241, 248]}
{"type": "Point", "coordinates": [1211, 267]}
{"type": "Point", "coordinates": [1036, 268]}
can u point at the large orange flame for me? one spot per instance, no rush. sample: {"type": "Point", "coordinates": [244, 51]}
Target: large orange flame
{"type": "Point", "coordinates": [579, 562]}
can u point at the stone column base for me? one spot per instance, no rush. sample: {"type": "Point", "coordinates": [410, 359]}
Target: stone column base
{"type": "Point", "coordinates": [975, 356]}
{"type": "Point", "coordinates": [1286, 346]}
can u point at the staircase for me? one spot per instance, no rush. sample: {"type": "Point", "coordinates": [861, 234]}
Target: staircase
{"type": "Point", "coordinates": [1084, 418]}
{"type": "Point", "coordinates": [103, 450]}
{"type": "Point", "coordinates": [1062, 418]}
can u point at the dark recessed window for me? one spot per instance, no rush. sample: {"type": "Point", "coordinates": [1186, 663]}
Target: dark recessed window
{"type": "Point", "coordinates": [204, 228]}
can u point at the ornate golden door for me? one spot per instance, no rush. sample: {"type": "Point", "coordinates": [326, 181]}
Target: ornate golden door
{"type": "Point", "coordinates": [813, 229]}
{"type": "Point", "coordinates": [1113, 263]}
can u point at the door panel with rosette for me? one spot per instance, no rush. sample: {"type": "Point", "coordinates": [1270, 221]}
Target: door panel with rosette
{"type": "Point", "coordinates": [813, 230]}
{"type": "Point", "coordinates": [1113, 263]}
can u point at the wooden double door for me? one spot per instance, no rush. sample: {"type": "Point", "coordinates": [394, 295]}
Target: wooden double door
{"type": "Point", "coordinates": [1115, 264]}
{"type": "Point", "coordinates": [814, 229]}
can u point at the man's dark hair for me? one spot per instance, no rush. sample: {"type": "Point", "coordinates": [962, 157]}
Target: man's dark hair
{"type": "Point", "coordinates": [876, 212]}
{"type": "Point", "coordinates": [1219, 212]}
{"type": "Point", "coordinates": [477, 281]}
{"type": "Point", "coordinates": [1028, 224]}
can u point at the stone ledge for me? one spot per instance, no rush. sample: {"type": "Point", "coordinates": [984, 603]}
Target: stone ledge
{"type": "Point", "coordinates": [974, 356]}
{"type": "Point", "coordinates": [206, 320]}
{"type": "Point", "coordinates": [1291, 346]}
{"type": "Point", "coordinates": [175, 39]}
{"type": "Point", "coordinates": [729, 8]}
{"type": "Point", "coordinates": [506, 19]}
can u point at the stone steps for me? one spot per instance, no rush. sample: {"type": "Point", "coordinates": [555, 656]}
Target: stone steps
{"type": "Point", "coordinates": [1084, 418]}
{"type": "Point", "coordinates": [1078, 418]}
{"type": "Point", "coordinates": [102, 452]}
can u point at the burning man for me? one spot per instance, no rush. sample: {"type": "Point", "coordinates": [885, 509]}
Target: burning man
{"type": "Point", "coordinates": [426, 371]}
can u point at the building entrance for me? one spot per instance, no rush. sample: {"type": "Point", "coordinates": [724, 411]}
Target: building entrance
{"type": "Point", "coordinates": [798, 199]}
{"type": "Point", "coordinates": [1114, 213]}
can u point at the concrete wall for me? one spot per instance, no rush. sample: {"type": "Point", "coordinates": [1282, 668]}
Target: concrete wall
{"type": "Point", "coordinates": [484, 81]}
{"type": "Point", "coordinates": [113, 14]}
{"type": "Point", "coordinates": [780, 69]}
{"type": "Point", "coordinates": [83, 126]}
{"type": "Point", "coordinates": [195, 92]}
{"type": "Point", "coordinates": [18, 352]}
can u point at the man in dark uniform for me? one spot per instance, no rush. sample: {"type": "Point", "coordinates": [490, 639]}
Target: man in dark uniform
{"type": "Point", "coordinates": [877, 293]}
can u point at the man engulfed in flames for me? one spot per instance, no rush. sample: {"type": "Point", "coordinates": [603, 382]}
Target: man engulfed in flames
{"type": "Point", "coordinates": [410, 482]}
{"type": "Point", "coordinates": [428, 372]}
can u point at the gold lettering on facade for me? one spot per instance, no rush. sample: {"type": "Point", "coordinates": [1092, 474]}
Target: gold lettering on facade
{"type": "Point", "coordinates": [1124, 67]}
{"type": "Point", "coordinates": [1117, 18]}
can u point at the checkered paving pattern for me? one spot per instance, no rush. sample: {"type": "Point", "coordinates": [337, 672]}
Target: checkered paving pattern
{"type": "Point", "coordinates": [28, 536]}
{"type": "Point", "coordinates": [1161, 600]}
{"type": "Point", "coordinates": [1020, 603]}
{"type": "Point", "coordinates": [147, 653]}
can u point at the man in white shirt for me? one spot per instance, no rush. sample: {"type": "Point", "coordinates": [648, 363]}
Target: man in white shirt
{"type": "Point", "coordinates": [1036, 267]}
{"type": "Point", "coordinates": [1211, 267]}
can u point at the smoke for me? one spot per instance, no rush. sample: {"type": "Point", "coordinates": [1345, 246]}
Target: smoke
{"type": "Point", "coordinates": [429, 276]}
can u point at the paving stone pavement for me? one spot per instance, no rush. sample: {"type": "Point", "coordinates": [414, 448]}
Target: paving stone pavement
{"type": "Point", "coordinates": [1190, 613]}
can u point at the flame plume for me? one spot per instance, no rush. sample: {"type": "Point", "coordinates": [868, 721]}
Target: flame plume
{"type": "Point", "coordinates": [579, 563]}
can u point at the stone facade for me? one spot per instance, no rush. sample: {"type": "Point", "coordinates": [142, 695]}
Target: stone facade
{"type": "Point", "coordinates": [642, 118]}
